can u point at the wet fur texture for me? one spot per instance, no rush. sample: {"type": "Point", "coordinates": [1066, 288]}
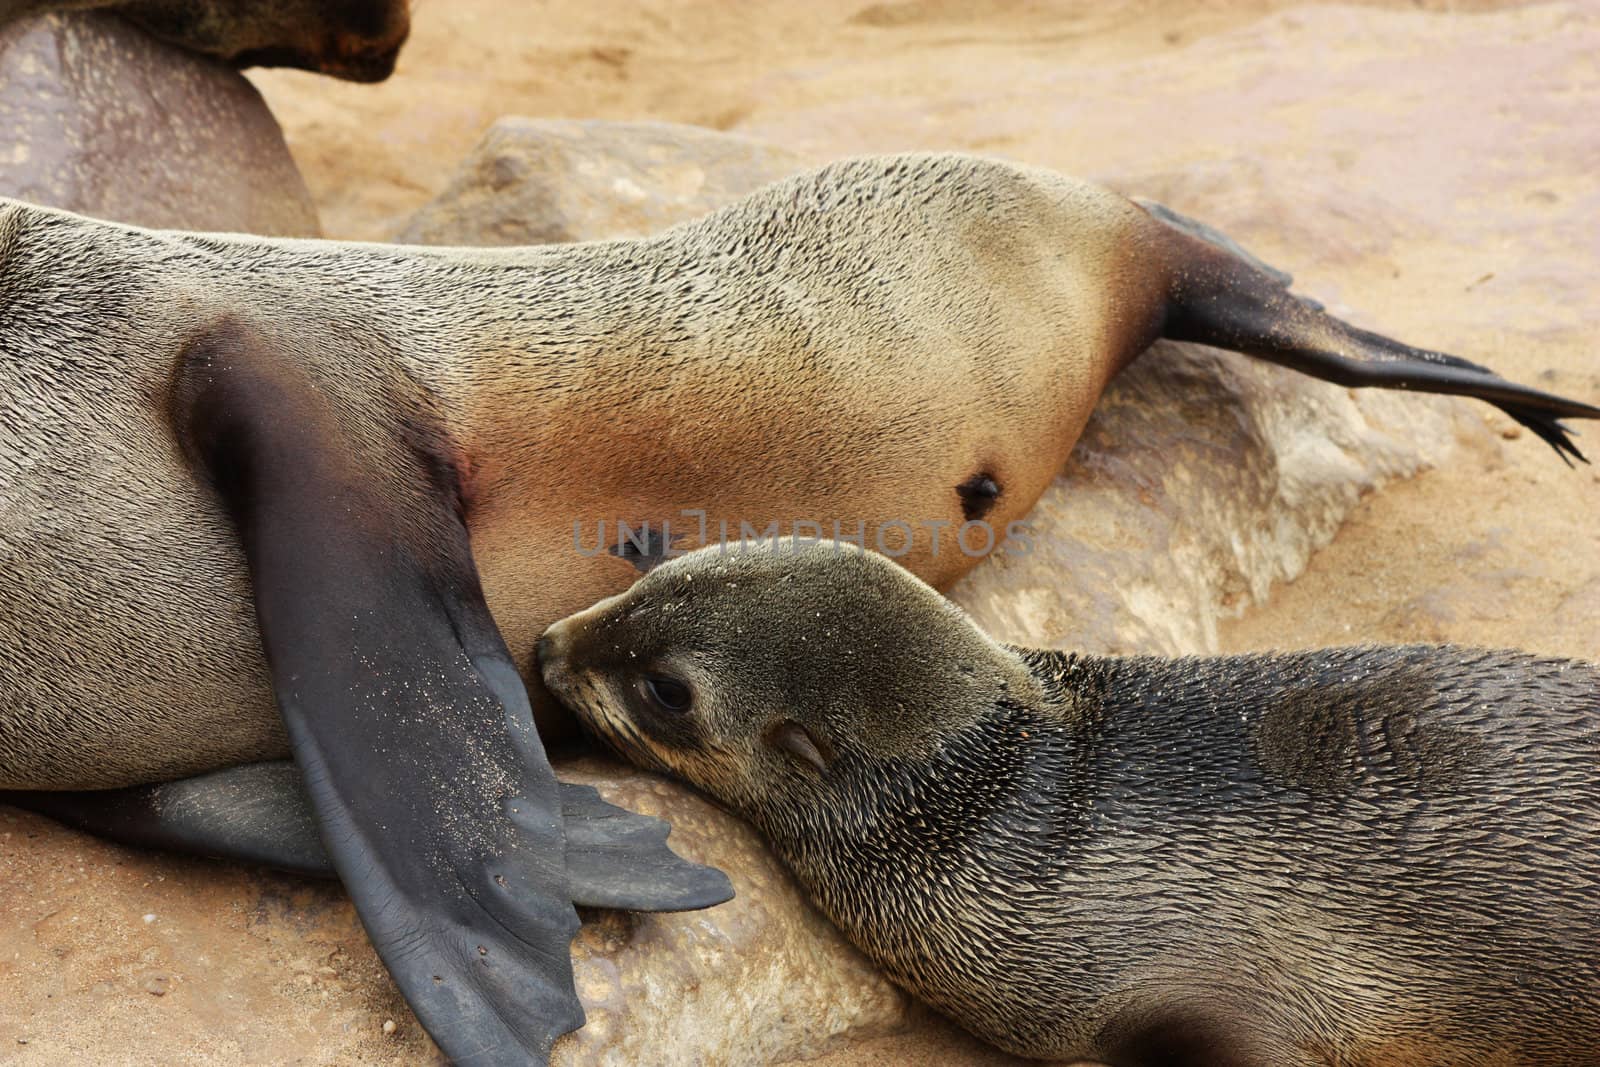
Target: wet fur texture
{"type": "Point", "coordinates": [1358, 856]}
{"type": "Point", "coordinates": [912, 338]}
{"type": "Point", "coordinates": [357, 40]}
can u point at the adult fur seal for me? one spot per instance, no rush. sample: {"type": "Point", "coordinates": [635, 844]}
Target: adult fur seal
{"type": "Point", "coordinates": [1361, 856]}
{"type": "Point", "coordinates": [357, 40]}
{"type": "Point", "coordinates": [344, 456]}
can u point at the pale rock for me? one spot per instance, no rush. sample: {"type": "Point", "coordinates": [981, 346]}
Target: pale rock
{"type": "Point", "coordinates": [541, 181]}
{"type": "Point", "coordinates": [763, 978]}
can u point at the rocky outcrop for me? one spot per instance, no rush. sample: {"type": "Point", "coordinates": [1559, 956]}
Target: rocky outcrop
{"type": "Point", "coordinates": [1202, 478]}
{"type": "Point", "coordinates": [101, 119]}
{"type": "Point", "coordinates": [540, 181]}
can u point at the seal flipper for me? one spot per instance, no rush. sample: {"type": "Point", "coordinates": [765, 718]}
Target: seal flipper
{"type": "Point", "coordinates": [259, 813]}
{"type": "Point", "coordinates": [619, 859]}
{"type": "Point", "coordinates": [1222, 295]}
{"type": "Point", "coordinates": [1213, 236]}
{"type": "Point", "coordinates": [406, 717]}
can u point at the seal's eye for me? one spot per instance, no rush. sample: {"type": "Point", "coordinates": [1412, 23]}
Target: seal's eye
{"type": "Point", "coordinates": [666, 693]}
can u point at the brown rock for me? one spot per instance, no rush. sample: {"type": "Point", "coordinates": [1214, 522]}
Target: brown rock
{"type": "Point", "coordinates": [1202, 478]}
{"type": "Point", "coordinates": [540, 181]}
{"type": "Point", "coordinates": [103, 120]}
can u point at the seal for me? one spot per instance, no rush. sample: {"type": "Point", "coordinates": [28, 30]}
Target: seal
{"type": "Point", "coordinates": [356, 40]}
{"type": "Point", "coordinates": [272, 498]}
{"type": "Point", "coordinates": [1356, 856]}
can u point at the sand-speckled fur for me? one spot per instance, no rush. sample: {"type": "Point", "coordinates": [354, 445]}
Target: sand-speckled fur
{"type": "Point", "coordinates": [852, 343]}
{"type": "Point", "coordinates": [1359, 857]}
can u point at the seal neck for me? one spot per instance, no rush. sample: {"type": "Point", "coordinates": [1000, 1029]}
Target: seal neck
{"type": "Point", "coordinates": [1072, 686]}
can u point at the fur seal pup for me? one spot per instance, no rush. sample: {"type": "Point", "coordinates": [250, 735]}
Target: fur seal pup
{"type": "Point", "coordinates": [356, 40]}
{"type": "Point", "coordinates": [262, 498]}
{"type": "Point", "coordinates": [1342, 857]}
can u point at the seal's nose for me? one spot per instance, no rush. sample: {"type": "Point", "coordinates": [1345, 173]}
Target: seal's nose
{"type": "Point", "coordinates": [547, 648]}
{"type": "Point", "coordinates": [551, 653]}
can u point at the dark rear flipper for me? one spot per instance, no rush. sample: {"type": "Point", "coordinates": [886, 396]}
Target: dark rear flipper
{"type": "Point", "coordinates": [1226, 297]}
{"type": "Point", "coordinates": [259, 813]}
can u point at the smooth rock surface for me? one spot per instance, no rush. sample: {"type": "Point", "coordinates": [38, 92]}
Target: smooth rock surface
{"type": "Point", "coordinates": [541, 181]}
{"type": "Point", "coordinates": [101, 119]}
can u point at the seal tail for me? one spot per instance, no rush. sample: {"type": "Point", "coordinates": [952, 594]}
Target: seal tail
{"type": "Point", "coordinates": [1221, 295]}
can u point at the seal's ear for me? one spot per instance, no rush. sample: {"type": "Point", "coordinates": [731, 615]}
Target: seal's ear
{"type": "Point", "coordinates": [790, 737]}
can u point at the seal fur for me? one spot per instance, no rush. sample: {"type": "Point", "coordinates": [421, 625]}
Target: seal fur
{"type": "Point", "coordinates": [860, 342]}
{"type": "Point", "coordinates": [1358, 856]}
{"type": "Point", "coordinates": [262, 497]}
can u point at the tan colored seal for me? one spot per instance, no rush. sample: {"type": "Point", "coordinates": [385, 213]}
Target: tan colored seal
{"type": "Point", "coordinates": [1360, 856]}
{"type": "Point", "coordinates": [358, 481]}
{"type": "Point", "coordinates": [883, 345]}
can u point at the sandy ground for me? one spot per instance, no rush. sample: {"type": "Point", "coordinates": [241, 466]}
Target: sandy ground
{"type": "Point", "coordinates": [1430, 169]}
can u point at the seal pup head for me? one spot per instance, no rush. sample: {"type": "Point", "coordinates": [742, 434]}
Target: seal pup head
{"type": "Point", "coordinates": [768, 674]}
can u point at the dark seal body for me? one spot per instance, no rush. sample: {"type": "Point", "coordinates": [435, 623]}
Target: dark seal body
{"type": "Point", "coordinates": [1362, 856]}
{"type": "Point", "coordinates": [356, 40]}
{"type": "Point", "coordinates": [1348, 857]}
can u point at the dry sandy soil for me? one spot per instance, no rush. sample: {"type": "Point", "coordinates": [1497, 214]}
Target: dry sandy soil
{"type": "Point", "coordinates": [1431, 169]}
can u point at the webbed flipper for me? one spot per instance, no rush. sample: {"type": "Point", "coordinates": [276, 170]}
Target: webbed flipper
{"type": "Point", "coordinates": [259, 813]}
{"type": "Point", "coordinates": [407, 719]}
{"type": "Point", "coordinates": [1224, 296]}
{"type": "Point", "coordinates": [620, 859]}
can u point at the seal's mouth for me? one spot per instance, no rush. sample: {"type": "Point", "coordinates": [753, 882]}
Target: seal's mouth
{"type": "Point", "coordinates": [560, 677]}
{"type": "Point", "coordinates": [587, 697]}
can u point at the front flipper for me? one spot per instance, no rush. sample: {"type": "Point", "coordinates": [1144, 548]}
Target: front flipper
{"type": "Point", "coordinates": [619, 859]}
{"type": "Point", "coordinates": [1224, 296]}
{"type": "Point", "coordinates": [406, 716]}
{"type": "Point", "coordinates": [259, 813]}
